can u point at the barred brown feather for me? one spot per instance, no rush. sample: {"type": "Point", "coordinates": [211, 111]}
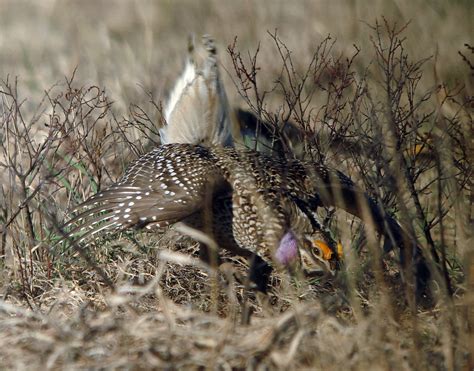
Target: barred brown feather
{"type": "Point", "coordinates": [255, 201]}
{"type": "Point", "coordinates": [173, 181]}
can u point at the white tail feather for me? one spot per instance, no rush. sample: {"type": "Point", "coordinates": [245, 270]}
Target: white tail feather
{"type": "Point", "coordinates": [197, 111]}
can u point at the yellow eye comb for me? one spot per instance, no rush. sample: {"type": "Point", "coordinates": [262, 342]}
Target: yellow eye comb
{"type": "Point", "coordinates": [326, 250]}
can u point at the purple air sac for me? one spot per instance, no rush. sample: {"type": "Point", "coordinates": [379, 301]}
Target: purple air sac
{"type": "Point", "coordinates": [287, 252]}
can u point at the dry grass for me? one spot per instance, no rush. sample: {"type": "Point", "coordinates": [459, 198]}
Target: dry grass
{"type": "Point", "coordinates": [146, 301]}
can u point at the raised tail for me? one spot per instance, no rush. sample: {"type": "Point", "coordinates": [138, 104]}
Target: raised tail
{"type": "Point", "coordinates": [197, 111]}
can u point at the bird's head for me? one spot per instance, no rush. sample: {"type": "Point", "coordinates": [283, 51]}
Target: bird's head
{"type": "Point", "coordinates": [315, 254]}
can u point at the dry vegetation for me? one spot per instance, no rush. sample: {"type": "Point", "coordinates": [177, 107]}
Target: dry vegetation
{"type": "Point", "coordinates": [389, 102]}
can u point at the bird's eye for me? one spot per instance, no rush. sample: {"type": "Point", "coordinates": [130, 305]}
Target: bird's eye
{"type": "Point", "coordinates": [316, 251]}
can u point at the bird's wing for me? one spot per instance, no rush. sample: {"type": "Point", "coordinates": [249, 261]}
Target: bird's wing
{"type": "Point", "coordinates": [162, 187]}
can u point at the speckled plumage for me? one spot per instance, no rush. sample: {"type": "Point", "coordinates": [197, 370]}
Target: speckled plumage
{"type": "Point", "coordinates": [253, 199]}
{"type": "Point", "coordinates": [248, 195]}
{"type": "Point", "coordinates": [253, 202]}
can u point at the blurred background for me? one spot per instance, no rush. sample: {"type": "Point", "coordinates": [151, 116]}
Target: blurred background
{"type": "Point", "coordinates": [132, 47]}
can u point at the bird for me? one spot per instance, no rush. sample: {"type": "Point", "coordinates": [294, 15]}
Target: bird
{"type": "Point", "coordinates": [248, 197]}
{"type": "Point", "coordinates": [256, 205]}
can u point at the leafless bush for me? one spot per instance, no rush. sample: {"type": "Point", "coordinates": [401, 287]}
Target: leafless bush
{"type": "Point", "coordinates": [67, 131]}
{"type": "Point", "coordinates": [408, 146]}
